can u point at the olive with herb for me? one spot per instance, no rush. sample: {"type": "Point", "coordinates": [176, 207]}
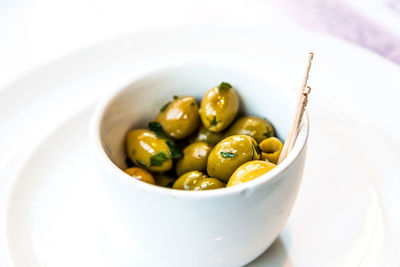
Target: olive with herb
{"type": "Point", "coordinates": [207, 184]}
{"type": "Point", "coordinates": [180, 117]}
{"type": "Point", "coordinates": [194, 158]}
{"type": "Point", "coordinates": [148, 150]}
{"type": "Point", "coordinates": [204, 135]}
{"type": "Point", "coordinates": [140, 174]}
{"type": "Point", "coordinates": [185, 181]}
{"type": "Point", "coordinates": [256, 127]}
{"type": "Point", "coordinates": [219, 107]}
{"type": "Point", "coordinates": [229, 154]}
{"type": "Point", "coordinates": [249, 171]}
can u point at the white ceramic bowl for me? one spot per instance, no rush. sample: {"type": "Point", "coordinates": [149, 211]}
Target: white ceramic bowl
{"type": "Point", "coordinates": [223, 227]}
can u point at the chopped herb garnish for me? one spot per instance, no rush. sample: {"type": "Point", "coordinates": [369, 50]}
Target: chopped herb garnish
{"type": "Point", "coordinates": [176, 153]}
{"type": "Point", "coordinates": [224, 86]}
{"type": "Point", "coordinates": [133, 151]}
{"type": "Point", "coordinates": [165, 107]}
{"type": "Point", "coordinates": [214, 121]}
{"type": "Point", "coordinates": [141, 163]}
{"type": "Point", "coordinates": [192, 104]}
{"type": "Point", "coordinates": [159, 158]}
{"type": "Point", "coordinates": [156, 127]}
{"type": "Point", "coordinates": [268, 134]}
{"type": "Point", "coordinates": [228, 154]}
{"type": "Point", "coordinates": [176, 97]}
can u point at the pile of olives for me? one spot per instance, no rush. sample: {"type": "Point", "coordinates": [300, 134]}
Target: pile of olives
{"type": "Point", "coordinates": [192, 148]}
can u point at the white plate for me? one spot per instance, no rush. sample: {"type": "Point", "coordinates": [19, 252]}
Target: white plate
{"type": "Point", "coordinates": [346, 213]}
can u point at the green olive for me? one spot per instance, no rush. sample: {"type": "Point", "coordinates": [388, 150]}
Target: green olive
{"type": "Point", "coordinates": [204, 135]}
{"type": "Point", "coordinates": [147, 150]}
{"type": "Point", "coordinates": [207, 184]}
{"type": "Point", "coordinates": [271, 149]}
{"type": "Point", "coordinates": [180, 118]}
{"type": "Point", "coordinates": [194, 158]}
{"type": "Point", "coordinates": [256, 127]}
{"type": "Point", "coordinates": [164, 180]}
{"type": "Point", "coordinates": [250, 171]}
{"type": "Point", "coordinates": [140, 174]}
{"type": "Point", "coordinates": [219, 107]}
{"type": "Point", "coordinates": [229, 154]}
{"type": "Point", "coordinates": [185, 181]}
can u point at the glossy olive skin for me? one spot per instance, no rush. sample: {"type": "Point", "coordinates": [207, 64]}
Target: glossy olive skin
{"type": "Point", "coordinates": [219, 108]}
{"type": "Point", "coordinates": [249, 171]}
{"type": "Point", "coordinates": [142, 144]}
{"type": "Point", "coordinates": [242, 148]}
{"type": "Point", "coordinates": [204, 135]}
{"type": "Point", "coordinates": [185, 181]}
{"type": "Point", "coordinates": [164, 180]}
{"type": "Point", "coordinates": [256, 127]}
{"type": "Point", "coordinates": [194, 158]}
{"type": "Point", "coordinates": [271, 149]}
{"type": "Point", "coordinates": [180, 118]}
{"type": "Point", "coordinates": [207, 184]}
{"type": "Point", "coordinates": [140, 174]}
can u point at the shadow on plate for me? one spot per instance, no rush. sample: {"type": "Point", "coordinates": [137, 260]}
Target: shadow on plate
{"type": "Point", "coordinates": [276, 256]}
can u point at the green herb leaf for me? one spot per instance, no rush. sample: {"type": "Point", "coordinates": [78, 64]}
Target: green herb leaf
{"type": "Point", "coordinates": [176, 153]}
{"type": "Point", "coordinates": [224, 86]}
{"type": "Point", "coordinates": [173, 148]}
{"type": "Point", "coordinates": [214, 121]}
{"type": "Point", "coordinates": [165, 107]}
{"type": "Point", "coordinates": [141, 163]}
{"type": "Point", "coordinates": [192, 104]}
{"type": "Point", "coordinates": [157, 128]}
{"type": "Point", "coordinates": [176, 97]}
{"type": "Point", "coordinates": [133, 151]}
{"type": "Point", "coordinates": [228, 154]}
{"type": "Point", "coordinates": [267, 134]}
{"type": "Point", "coordinates": [159, 158]}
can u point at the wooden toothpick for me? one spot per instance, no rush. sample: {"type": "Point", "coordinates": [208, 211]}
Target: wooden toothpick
{"type": "Point", "coordinates": [300, 108]}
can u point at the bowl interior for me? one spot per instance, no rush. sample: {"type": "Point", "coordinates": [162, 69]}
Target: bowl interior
{"type": "Point", "coordinates": [138, 103]}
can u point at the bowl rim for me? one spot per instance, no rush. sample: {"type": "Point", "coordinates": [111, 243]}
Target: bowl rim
{"type": "Point", "coordinates": [104, 160]}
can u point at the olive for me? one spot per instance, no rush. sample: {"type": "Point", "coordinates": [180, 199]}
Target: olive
{"type": "Point", "coordinates": [256, 127]}
{"type": "Point", "coordinates": [249, 171]}
{"type": "Point", "coordinates": [219, 107]}
{"type": "Point", "coordinates": [140, 174]}
{"type": "Point", "coordinates": [194, 158]}
{"type": "Point", "coordinates": [229, 154]}
{"type": "Point", "coordinates": [271, 149]}
{"type": "Point", "coordinates": [204, 135]}
{"type": "Point", "coordinates": [185, 181]}
{"type": "Point", "coordinates": [207, 184]}
{"type": "Point", "coordinates": [179, 118]}
{"type": "Point", "coordinates": [164, 180]}
{"type": "Point", "coordinates": [147, 150]}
